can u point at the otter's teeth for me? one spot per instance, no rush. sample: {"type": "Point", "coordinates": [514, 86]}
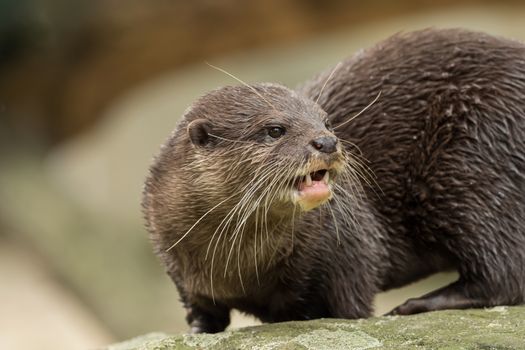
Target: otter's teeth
{"type": "Point", "coordinates": [308, 180]}
{"type": "Point", "coordinates": [326, 177]}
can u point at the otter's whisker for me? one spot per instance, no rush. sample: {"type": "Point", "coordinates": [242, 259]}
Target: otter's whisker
{"type": "Point", "coordinates": [353, 183]}
{"type": "Point", "coordinates": [335, 224]}
{"type": "Point", "coordinates": [276, 246]}
{"type": "Point", "coordinates": [283, 181]}
{"type": "Point", "coordinates": [266, 206]}
{"type": "Point", "coordinates": [326, 81]}
{"type": "Point", "coordinates": [229, 140]}
{"type": "Point", "coordinates": [356, 172]}
{"type": "Point", "coordinates": [264, 196]}
{"type": "Point", "coordinates": [239, 262]}
{"type": "Point", "coordinates": [225, 223]}
{"type": "Point", "coordinates": [197, 222]}
{"type": "Point", "coordinates": [348, 215]}
{"type": "Point", "coordinates": [228, 219]}
{"type": "Point", "coordinates": [261, 236]}
{"type": "Point", "coordinates": [239, 230]}
{"type": "Point", "coordinates": [269, 172]}
{"type": "Point", "coordinates": [363, 172]}
{"type": "Point", "coordinates": [235, 235]}
{"type": "Point", "coordinates": [284, 175]}
{"type": "Point", "coordinates": [353, 145]}
{"type": "Point", "coordinates": [360, 112]}
{"type": "Point", "coordinates": [269, 198]}
{"type": "Point", "coordinates": [355, 166]}
{"type": "Point", "coordinates": [293, 224]}
{"type": "Point", "coordinates": [255, 247]}
{"type": "Point", "coordinates": [359, 161]}
{"type": "Point", "coordinates": [281, 184]}
{"type": "Point", "coordinates": [243, 83]}
{"type": "Point", "coordinates": [247, 198]}
{"type": "Point", "coordinates": [248, 212]}
{"type": "Point", "coordinates": [349, 218]}
{"type": "Point", "coordinates": [230, 214]}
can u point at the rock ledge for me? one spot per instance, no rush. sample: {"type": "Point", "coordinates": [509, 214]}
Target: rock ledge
{"type": "Point", "coordinates": [496, 328]}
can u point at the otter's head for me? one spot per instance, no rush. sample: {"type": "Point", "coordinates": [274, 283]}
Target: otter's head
{"type": "Point", "coordinates": [262, 146]}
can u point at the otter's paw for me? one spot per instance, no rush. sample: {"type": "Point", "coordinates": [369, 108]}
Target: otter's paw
{"type": "Point", "coordinates": [411, 306]}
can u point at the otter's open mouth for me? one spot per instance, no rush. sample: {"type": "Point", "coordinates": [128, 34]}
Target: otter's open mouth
{"type": "Point", "coordinates": [313, 189]}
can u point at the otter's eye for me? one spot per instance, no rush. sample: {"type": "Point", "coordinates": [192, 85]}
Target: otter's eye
{"type": "Point", "coordinates": [328, 125]}
{"type": "Point", "coordinates": [276, 132]}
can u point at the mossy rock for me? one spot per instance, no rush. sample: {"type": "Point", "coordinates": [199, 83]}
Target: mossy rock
{"type": "Point", "coordinates": [495, 328]}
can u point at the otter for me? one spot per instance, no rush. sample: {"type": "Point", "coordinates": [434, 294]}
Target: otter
{"type": "Point", "coordinates": [300, 204]}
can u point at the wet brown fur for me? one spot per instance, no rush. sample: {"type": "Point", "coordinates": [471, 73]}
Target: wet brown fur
{"type": "Point", "coordinates": [446, 143]}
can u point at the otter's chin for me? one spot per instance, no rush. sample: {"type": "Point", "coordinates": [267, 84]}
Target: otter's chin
{"type": "Point", "coordinates": [313, 190]}
{"type": "Point", "coordinates": [313, 198]}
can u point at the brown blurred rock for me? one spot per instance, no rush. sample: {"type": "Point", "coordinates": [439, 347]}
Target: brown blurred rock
{"type": "Point", "coordinates": [65, 60]}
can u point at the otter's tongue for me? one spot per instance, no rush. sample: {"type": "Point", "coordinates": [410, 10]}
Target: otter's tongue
{"type": "Point", "coordinates": [314, 187]}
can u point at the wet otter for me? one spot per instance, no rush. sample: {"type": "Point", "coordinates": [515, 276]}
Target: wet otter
{"type": "Point", "coordinates": [266, 201]}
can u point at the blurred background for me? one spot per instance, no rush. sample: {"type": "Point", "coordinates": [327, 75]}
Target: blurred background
{"type": "Point", "coordinates": [89, 89]}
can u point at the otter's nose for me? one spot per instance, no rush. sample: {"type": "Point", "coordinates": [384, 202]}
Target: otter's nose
{"type": "Point", "coordinates": [326, 144]}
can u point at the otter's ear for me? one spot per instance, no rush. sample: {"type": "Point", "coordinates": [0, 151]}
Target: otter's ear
{"type": "Point", "coordinates": [198, 131]}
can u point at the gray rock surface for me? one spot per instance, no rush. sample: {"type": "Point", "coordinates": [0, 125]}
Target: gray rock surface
{"type": "Point", "coordinates": [496, 328]}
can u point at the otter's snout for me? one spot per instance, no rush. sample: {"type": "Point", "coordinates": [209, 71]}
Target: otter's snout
{"type": "Point", "coordinates": [325, 144]}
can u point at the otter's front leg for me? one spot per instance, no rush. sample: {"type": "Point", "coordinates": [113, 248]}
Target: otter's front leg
{"type": "Point", "coordinates": [207, 317]}
{"type": "Point", "coordinates": [457, 295]}
{"type": "Point", "coordinates": [202, 313]}
{"type": "Point", "coordinates": [349, 299]}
